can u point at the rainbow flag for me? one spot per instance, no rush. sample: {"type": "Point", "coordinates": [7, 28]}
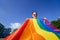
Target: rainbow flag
{"type": "Point", "coordinates": [51, 25]}
{"type": "Point", "coordinates": [34, 29]}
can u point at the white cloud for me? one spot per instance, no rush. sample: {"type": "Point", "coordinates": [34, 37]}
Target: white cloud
{"type": "Point", "coordinates": [14, 25]}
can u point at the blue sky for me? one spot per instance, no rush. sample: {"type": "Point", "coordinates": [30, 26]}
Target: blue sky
{"type": "Point", "coordinates": [16, 11]}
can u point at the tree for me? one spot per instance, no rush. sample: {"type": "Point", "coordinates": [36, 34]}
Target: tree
{"type": "Point", "coordinates": [56, 23]}
{"type": "Point", "coordinates": [1, 29]}
{"type": "Point", "coordinates": [4, 31]}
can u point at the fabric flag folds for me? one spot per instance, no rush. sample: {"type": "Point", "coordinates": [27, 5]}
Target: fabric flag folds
{"type": "Point", "coordinates": [34, 29]}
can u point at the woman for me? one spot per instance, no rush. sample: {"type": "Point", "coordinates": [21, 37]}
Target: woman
{"type": "Point", "coordinates": [34, 14]}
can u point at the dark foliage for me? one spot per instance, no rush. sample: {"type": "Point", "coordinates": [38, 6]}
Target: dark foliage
{"type": "Point", "coordinates": [56, 23]}
{"type": "Point", "coordinates": [4, 31]}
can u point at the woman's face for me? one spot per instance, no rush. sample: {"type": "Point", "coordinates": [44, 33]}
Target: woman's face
{"type": "Point", "coordinates": [34, 15]}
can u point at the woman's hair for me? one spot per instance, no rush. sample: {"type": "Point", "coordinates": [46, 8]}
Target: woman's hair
{"type": "Point", "coordinates": [35, 12]}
